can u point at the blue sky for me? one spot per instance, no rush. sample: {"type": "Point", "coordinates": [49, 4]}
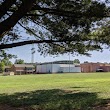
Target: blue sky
{"type": "Point", "coordinates": [24, 52]}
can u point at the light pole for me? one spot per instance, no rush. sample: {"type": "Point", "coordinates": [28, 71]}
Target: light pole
{"type": "Point", "coordinates": [69, 62]}
{"type": "Point", "coordinates": [32, 52]}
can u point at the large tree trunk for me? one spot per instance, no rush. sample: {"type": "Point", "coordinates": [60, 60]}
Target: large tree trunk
{"type": "Point", "coordinates": [10, 22]}
{"type": "Point", "coordinates": [5, 6]}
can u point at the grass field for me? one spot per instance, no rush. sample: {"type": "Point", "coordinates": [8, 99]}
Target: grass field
{"type": "Point", "coordinates": [55, 91]}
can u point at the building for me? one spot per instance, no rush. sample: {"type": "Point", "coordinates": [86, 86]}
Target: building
{"type": "Point", "coordinates": [57, 67]}
{"type": "Point", "coordinates": [7, 69]}
{"type": "Point", "coordinates": [22, 69]}
{"type": "Point", "coordinates": [95, 67]}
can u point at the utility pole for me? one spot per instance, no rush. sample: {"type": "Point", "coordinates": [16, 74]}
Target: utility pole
{"type": "Point", "coordinates": [69, 62]}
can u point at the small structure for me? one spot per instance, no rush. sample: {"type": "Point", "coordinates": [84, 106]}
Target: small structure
{"type": "Point", "coordinates": [11, 73]}
{"type": "Point", "coordinates": [22, 69]}
{"type": "Point", "coordinates": [58, 67]}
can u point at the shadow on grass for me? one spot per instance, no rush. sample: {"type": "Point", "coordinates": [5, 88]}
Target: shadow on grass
{"type": "Point", "coordinates": [78, 87]}
{"type": "Point", "coordinates": [55, 99]}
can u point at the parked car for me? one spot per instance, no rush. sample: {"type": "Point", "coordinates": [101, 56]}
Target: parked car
{"type": "Point", "coordinates": [99, 70]}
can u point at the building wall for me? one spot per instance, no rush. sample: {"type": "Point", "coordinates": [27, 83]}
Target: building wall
{"type": "Point", "coordinates": [65, 68]}
{"type": "Point", "coordinates": [22, 70]}
{"type": "Point", "coordinates": [92, 67]}
{"type": "Point", "coordinates": [18, 70]}
{"type": "Point", "coordinates": [106, 68]}
{"type": "Point", "coordinates": [44, 68]}
{"type": "Point", "coordinates": [77, 69]}
{"type": "Point", "coordinates": [48, 68]}
{"type": "Point", "coordinates": [13, 69]}
{"type": "Point", "coordinates": [70, 69]}
{"type": "Point", "coordinates": [56, 68]}
{"type": "Point", "coordinates": [38, 68]}
{"type": "Point", "coordinates": [89, 67]}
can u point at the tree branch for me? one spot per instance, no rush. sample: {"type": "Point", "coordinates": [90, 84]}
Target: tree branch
{"type": "Point", "coordinates": [29, 30]}
{"type": "Point", "coordinates": [64, 13]}
{"type": "Point", "coordinates": [54, 11]}
{"type": "Point", "coordinates": [4, 46]}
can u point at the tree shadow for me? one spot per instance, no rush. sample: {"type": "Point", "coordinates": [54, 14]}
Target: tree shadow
{"type": "Point", "coordinates": [54, 99]}
{"type": "Point", "coordinates": [77, 87]}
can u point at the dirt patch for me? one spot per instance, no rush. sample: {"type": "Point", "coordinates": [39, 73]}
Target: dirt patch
{"type": "Point", "coordinates": [102, 107]}
{"type": "Point", "coordinates": [5, 107]}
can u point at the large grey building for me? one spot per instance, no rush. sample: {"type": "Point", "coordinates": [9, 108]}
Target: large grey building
{"type": "Point", "coordinates": [58, 67]}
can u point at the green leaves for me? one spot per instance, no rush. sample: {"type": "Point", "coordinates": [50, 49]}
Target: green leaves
{"type": "Point", "coordinates": [19, 61]}
{"type": "Point", "coordinates": [62, 20]}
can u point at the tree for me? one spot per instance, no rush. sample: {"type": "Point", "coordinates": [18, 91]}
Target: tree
{"type": "Point", "coordinates": [76, 61]}
{"type": "Point", "coordinates": [86, 62]}
{"type": "Point", "coordinates": [58, 26]}
{"type": "Point", "coordinates": [19, 61]}
{"type": "Point", "coordinates": [7, 62]}
{"type": "Point", "coordinates": [4, 57]}
{"type": "Point", "coordinates": [2, 67]}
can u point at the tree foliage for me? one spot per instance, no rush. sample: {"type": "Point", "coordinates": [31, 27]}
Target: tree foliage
{"type": "Point", "coordinates": [76, 61]}
{"type": "Point", "coordinates": [2, 67]}
{"type": "Point", "coordinates": [57, 26]}
{"type": "Point", "coordinates": [19, 61]}
{"type": "Point", "coordinates": [7, 62]}
{"type": "Point", "coordinates": [4, 57]}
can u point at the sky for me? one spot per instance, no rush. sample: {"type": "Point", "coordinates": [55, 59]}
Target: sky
{"type": "Point", "coordinates": [24, 52]}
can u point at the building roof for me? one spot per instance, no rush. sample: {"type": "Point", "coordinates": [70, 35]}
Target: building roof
{"type": "Point", "coordinates": [67, 65]}
{"type": "Point", "coordinates": [23, 65]}
{"type": "Point", "coordinates": [98, 63]}
{"type": "Point", "coordinates": [58, 62]}
{"type": "Point", "coordinates": [7, 66]}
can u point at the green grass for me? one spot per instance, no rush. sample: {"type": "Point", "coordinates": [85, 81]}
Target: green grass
{"type": "Point", "coordinates": [55, 91]}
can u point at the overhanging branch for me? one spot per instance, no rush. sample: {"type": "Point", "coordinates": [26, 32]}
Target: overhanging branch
{"type": "Point", "coordinates": [64, 13]}
{"type": "Point", "coordinates": [4, 46]}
